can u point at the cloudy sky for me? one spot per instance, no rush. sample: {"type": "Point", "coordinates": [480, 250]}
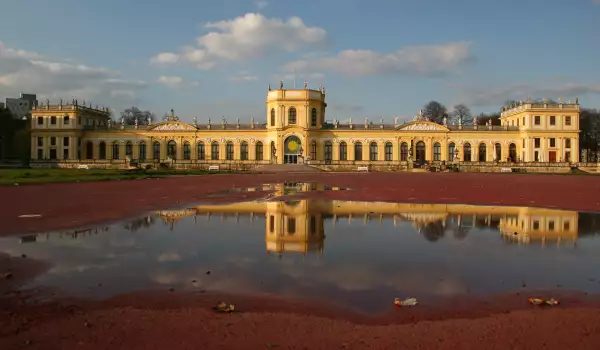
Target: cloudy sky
{"type": "Point", "coordinates": [376, 58]}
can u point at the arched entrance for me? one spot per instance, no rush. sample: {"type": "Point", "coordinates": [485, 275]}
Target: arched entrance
{"type": "Point", "coordinates": [420, 153]}
{"type": "Point", "coordinates": [292, 148]}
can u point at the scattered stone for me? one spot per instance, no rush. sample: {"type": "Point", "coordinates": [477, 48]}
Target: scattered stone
{"type": "Point", "coordinates": [171, 289]}
{"type": "Point", "coordinates": [208, 272]}
{"type": "Point", "coordinates": [23, 256]}
{"type": "Point", "coordinates": [8, 275]}
{"type": "Point", "coordinates": [193, 281]}
{"type": "Point", "coordinates": [87, 324]}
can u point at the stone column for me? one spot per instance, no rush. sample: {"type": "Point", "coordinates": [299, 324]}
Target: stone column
{"type": "Point", "coordinates": [335, 150]}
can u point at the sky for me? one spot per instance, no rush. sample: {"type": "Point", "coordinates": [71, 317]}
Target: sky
{"type": "Point", "coordinates": [377, 58]}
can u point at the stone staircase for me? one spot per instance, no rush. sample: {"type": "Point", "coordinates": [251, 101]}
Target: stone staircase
{"type": "Point", "coordinates": [286, 168]}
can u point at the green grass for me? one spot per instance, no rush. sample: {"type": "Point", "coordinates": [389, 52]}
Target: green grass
{"type": "Point", "coordinates": [35, 176]}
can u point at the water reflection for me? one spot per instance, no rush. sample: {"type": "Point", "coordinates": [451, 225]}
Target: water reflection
{"type": "Point", "coordinates": [359, 254]}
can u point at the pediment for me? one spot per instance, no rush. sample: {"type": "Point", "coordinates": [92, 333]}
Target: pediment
{"type": "Point", "coordinates": [423, 126]}
{"type": "Point", "coordinates": [173, 126]}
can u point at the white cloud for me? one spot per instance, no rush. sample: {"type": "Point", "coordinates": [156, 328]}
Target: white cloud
{"type": "Point", "coordinates": [24, 71]}
{"type": "Point", "coordinates": [175, 82]}
{"type": "Point", "coordinates": [243, 77]}
{"type": "Point", "coordinates": [170, 81]}
{"type": "Point", "coordinates": [247, 37]}
{"type": "Point", "coordinates": [426, 60]}
{"type": "Point", "coordinates": [263, 4]}
{"type": "Point", "coordinates": [164, 58]}
{"type": "Point", "coordinates": [496, 96]}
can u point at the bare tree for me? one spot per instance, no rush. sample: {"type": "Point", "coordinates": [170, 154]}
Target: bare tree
{"type": "Point", "coordinates": [133, 113]}
{"type": "Point", "coordinates": [435, 111]}
{"type": "Point", "coordinates": [462, 112]}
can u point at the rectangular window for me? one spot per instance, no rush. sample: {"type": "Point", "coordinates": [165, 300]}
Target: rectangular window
{"type": "Point", "coordinates": [40, 120]}
{"type": "Point", "coordinates": [66, 141]}
{"type": "Point", "coordinates": [65, 153]}
{"type": "Point", "coordinates": [40, 141]}
{"type": "Point", "coordinates": [53, 153]}
{"type": "Point", "coordinates": [53, 141]}
{"type": "Point", "coordinates": [78, 120]}
{"type": "Point", "coordinates": [552, 142]}
{"type": "Point", "coordinates": [552, 120]}
{"type": "Point", "coordinates": [536, 225]}
{"type": "Point", "coordinates": [271, 223]}
{"type": "Point", "coordinates": [536, 156]}
{"type": "Point", "coordinates": [53, 120]}
{"type": "Point", "coordinates": [550, 225]}
{"type": "Point", "coordinates": [523, 143]}
{"type": "Point", "coordinates": [313, 225]}
{"type": "Point", "coordinates": [40, 154]}
{"type": "Point", "coordinates": [568, 120]}
{"type": "Point", "coordinates": [536, 142]}
{"type": "Point", "coordinates": [523, 121]}
{"type": "Point", "coordinates": [568, 143]}
{"type": "Point", "coordinates": [537, 120]}
{"type": "Point", "coordinates": [566, 226]}
{"type": "Point", "coordinates": [291, 226]}
{"type": "Point", "coordinates": [66, 120]}
{"type": "Point", "coordinates": [567, 156]}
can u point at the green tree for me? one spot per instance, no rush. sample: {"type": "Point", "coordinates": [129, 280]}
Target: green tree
{"type": "Point", "coordinates": [462, 112]}
{"type": "Point", "coordinates": [133, 113]}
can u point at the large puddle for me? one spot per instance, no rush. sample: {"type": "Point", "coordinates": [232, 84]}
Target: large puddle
{"type": "Point", "coordinates": [357, 254]}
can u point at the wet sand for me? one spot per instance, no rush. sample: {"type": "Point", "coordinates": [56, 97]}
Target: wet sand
{"type": "Point", "coordinates": [170, 319]}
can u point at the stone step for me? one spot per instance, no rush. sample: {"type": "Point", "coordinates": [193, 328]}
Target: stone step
{"type": "Point", "coordinates": [287, 168]}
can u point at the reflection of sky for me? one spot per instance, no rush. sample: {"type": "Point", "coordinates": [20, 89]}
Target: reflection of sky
{"type": "Point", "coordinates": [363, 266]}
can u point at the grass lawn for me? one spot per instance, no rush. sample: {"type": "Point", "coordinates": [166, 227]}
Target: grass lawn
{"type": "Point", "coordinates": [30, 176]}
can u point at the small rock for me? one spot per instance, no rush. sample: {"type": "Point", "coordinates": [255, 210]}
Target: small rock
{"type": "Point", "coordinates": [193, 281]}
{"type": "Point", "coordinates": [8, 275]}
{"type": "Point", "coordinates": [171, 289]}
{"type": "Point", "coordinates": [27, 342]}
{"type": "Point", "coordinates": [208, 272]}
{"type": "Point", "coordinates": [23, 256]}
{"type": "Point", "coordinates": [87, 324]}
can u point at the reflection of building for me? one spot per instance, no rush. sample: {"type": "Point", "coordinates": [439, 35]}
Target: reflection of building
{"type": "Point", "coordinates": [294, 128]}
{"type": "Point", "coordinates": [298, 226]}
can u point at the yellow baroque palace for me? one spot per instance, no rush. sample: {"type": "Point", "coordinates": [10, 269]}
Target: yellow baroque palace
{"type": "Point", "coordinates": [295, 130]}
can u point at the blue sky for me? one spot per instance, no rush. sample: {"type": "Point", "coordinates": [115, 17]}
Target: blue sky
{"type": "Point", "coordinates": [375, 58]}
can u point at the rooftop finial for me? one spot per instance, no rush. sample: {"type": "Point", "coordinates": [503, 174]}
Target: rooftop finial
{"type": "Point", "coordinates": [281, 85]}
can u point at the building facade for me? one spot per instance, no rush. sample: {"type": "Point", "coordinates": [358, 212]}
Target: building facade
{"type": "Point", "coordinates": [295, 130]}
{"type": "Point", "coordinates": [21, 107]}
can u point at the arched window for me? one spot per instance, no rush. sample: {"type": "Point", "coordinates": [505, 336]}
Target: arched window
{"type": "Point", "coordinates": [313, 117]}
{"type": "Point", "coordinates": [343, 151]}
{"type": "Point", "coordinates": [512, 152]}
{"type": "Point", "coordinates": [328, 151]}
{"type": "Point", "coordinates": [373, 151]}
{"type": "Point", "coordinates": [313, 150]}
{"type": "Point", "coordinates": [129, 149]}
{"type": "Point", "coordinates": [172, 149]}
{"type": "Point", "coordinates": [437, 152]}
{"type": "Point", "coordinates": [292, 116]}
{"type": "Point", "coordinates": [115, 150]}
{"type": "Point", "coordinates": [89, 150]}
{"type": "Point", "coordinates": [244, 151]}
{"type": "Point", "coordinates": [389, 149]}
{"type": "Point", "coordinates": [259, 150]}
{"type": "Point", "coordinates": [403, 152]}
{"type": "Point", "coordinates": [102, 149]}
{"type": "Point", "coordinates": [142, 147]}
{"type": "Point", "coordinates": [273, 149]}
{"type": "Point", "coordinates": [201, 151]}
{"type": "Point", "coordinates": [357, 151]}
{"type": "Point", "coordinates": [498, 152]}
{"type": "Point", "coordinates": [482, 152]}
{"type": "Point", "coordinates": [451, 150]}
{"type": "Point", "coordinates": [467, 152]}
{"type": "Point", "coordinates": [187, 151]}
{"type": "Point", "coordinates": [214, 151]}
{"type": "Point", "coordinates": [229, 150]}
{"type": "Point", "coordinates": [156, 150]}
{"type": "Point", "coordinates": [272, 116]}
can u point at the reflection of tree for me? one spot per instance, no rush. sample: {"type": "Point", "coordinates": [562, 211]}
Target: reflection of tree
{"type": "Point", "coordinates": [433, 231]}
{"type": "Point", "coordinates": [589, 224]}
{"type": "Point", "coordinates": [138, 224]}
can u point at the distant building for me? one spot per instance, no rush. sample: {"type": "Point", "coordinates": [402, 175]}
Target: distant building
{"type": "Point", "coordinates": [1, 105]}
{"type": "Point", "coordinates": [21, 107]}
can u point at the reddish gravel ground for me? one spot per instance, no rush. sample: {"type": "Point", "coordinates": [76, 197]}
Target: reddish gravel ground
{"type": "Point", "coordinates": [185, 321]}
